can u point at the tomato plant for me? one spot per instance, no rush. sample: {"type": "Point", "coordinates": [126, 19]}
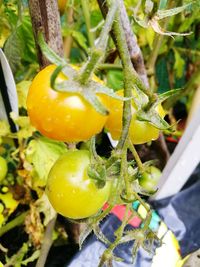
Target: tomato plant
{"type": "Point", "coordinates": [3, 168]}
{"type": "Point", "coordinates": [150, 178]}
{"type": "Point", "coordinates": [139, 132]}
{"type": "Point", "coordinates": [70, 190]}
{"type": "Point", "coordinates": [61, 115]}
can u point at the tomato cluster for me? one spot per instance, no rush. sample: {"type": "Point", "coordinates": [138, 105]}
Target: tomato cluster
{"type": "Point", "coordinates": [69, 117]}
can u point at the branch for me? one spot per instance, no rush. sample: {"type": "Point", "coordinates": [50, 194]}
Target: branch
{"type": "Point", "coordinates": [134, 50]}
{"type": "Point", "coordinates": [45, 17]}
{"type": "Point", "coordinates": [46, 244]}
{"type": "Point", "coordinates": [133, 47]}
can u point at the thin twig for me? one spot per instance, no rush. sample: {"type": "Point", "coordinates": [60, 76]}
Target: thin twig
{"type": "Point", "coordinates": [12, 224]}
{"type": "Point", "coordinates": [133, 48]}
{"type": "Point", "coordinates": [46, 244]}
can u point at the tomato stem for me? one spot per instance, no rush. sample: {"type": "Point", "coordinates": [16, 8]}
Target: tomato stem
{"type": "Point", "coordinates": [136, 156]}
{"type": "Point", "coordinates": [99, 51]}
{"type": "Point", "coordinates": [86, 14]}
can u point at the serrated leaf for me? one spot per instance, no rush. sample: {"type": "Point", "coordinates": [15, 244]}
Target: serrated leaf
{"type": "Point", "coordinates": [157, 28]}
{"type": "Point", "coordinates": [166, 95]}
{"type": "Point", "coordinates": [48, 52]}
{"type": "Point", "coordinates": [84, 234]}
{"type": "Point", "coordinates": [154, 118]}
{"type": "Point", "coordinates": [101, 89]}
{"type": "Point", "coordinates": [43, 153]}
{"type": "Point", "coordinates": [93, 174]}
{"type": "Point", "coordinates": [67, 86]}
{"type": "Point", "coordinates": [90, 96]}
{"type": "Point", "coordinates": [161, 14]}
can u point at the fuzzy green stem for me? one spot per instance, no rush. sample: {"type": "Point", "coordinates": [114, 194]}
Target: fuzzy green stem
{"type": "Point", "coordinates": [119, 233]}
{"type": "Point", "coordinates": [136, 156]}
{"type": "Point", "coordinates": [124, 173]}
{"type": "Point", "coordinates": [12, 224]}
{"type": "Point", "coordinates": [90, 66]}
{"type": "Point", "coordinates": [86, 14]}
{"type": "Point", "coordinates": [107, 66]}
{"type": "Point", "coordinates": [98, 52]}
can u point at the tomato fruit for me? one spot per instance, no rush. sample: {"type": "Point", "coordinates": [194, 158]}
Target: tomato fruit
{"type": "Point", "coordinates": [62, 5]}
{"type": "Point", "coordinates": [150, 178]}
{"type": "Point", "coordinates": [70, 190]}
{"type": "Point", "coordinates": [62, 116]}
{"type": "Point", "coordinates": [3, 168]}
{"type": "Point", "coordinates": [139, 132]}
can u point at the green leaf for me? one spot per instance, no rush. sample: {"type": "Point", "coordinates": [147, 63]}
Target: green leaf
{"type": "Point", "coordinates": [161, 14]}
{"type": "Point", "coordinates": [43, 153]}
{"type": "Point", "coordinates": [115, 79]}
{"type": "Point", "coordinates": [101, 89]}
{"type": "Point", "coordinates": [90, 96]}
{"type": "Point", "coordinates": [20, 45]}
{"type": "Point", "coordinates": [67, 86]}
{"type": "Point", "coordinates": [166, 95]}
{"type": "Point", "coordinates": [48, 52]}
{"type": "Point", "coordinates": [179, 64]}
{"type": "Point", "coordinates": [154, 118]}
{"type": "Point", "coordinates": [13, 50]}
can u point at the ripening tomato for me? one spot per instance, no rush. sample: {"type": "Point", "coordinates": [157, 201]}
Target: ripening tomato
{"type": "Point", "coordinates": [3, 168]}
{"type": "Point", "coordinates": [62, 116]}
{"type": "Point", "coordinates": [139, 132]}
{"type": "Point", "coordinates": [70, 190]}
{"type": "Point", "coordinates": [150, 178]}
{"type": "Point", "coordinates": [62, 5]}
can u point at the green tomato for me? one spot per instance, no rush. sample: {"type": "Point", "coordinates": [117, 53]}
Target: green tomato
{"type": "Point", "coordinates": [150, 178]}
{"type": "Point", "coordinates": [70, 190]}
{"type": "Point", "coordinates": [3, 168]}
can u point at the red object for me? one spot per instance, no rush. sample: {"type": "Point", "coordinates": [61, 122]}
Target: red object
{"type": "Point", "coordinates": [119, 212]}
